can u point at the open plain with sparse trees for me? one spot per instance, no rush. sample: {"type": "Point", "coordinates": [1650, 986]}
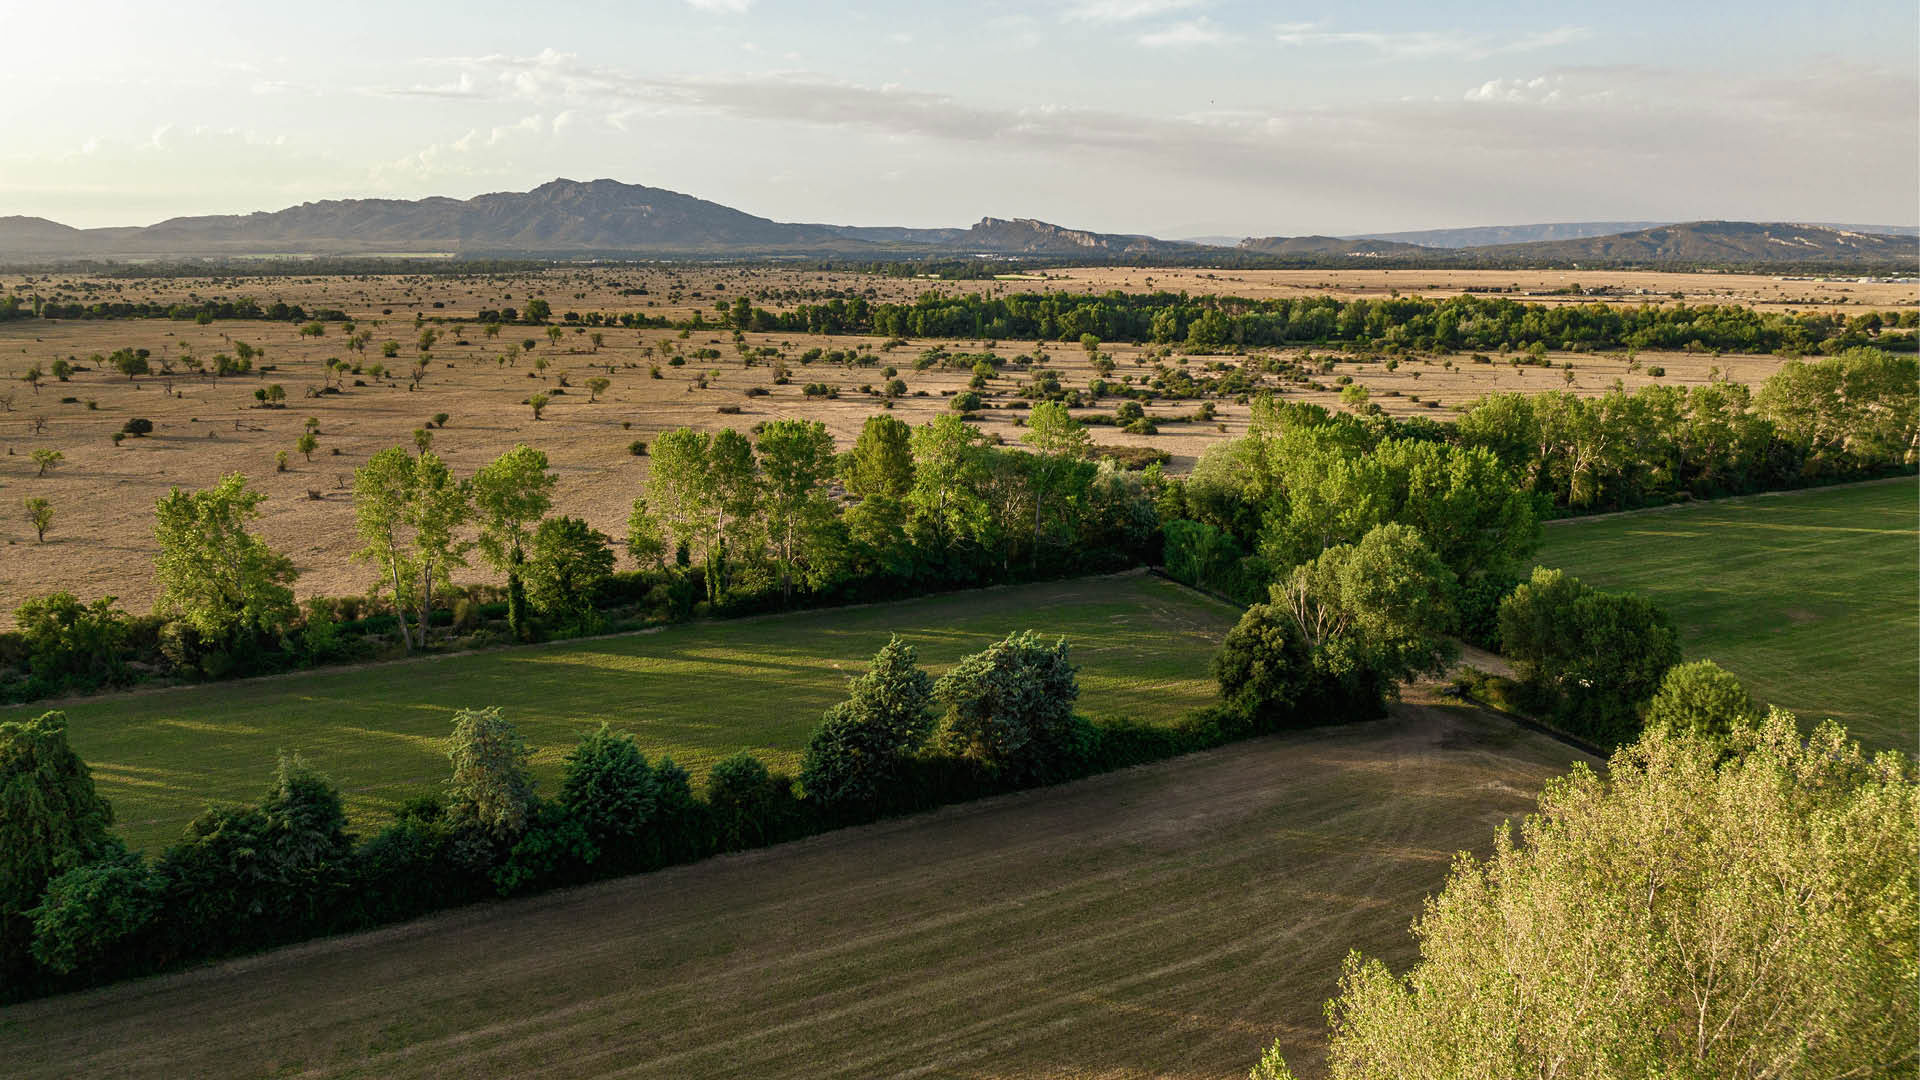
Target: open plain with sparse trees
{"type": "Point", "coordinates": [814, 622]}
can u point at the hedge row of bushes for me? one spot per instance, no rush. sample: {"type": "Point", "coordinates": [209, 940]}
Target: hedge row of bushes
{"type": "Point", "coordinates": [83, 910]}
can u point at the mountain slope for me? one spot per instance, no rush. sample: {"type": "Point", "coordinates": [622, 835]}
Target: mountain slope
{"type": "Point", "coordinates": [561, 216]}
{"type": "Point", "coordinates": [1488, 235]}
{"type": "Point", "coordinates": [1334, 245]}
{"type": "Point", "coordinates": [604, 217]}
{"type": "Point", "coordinates": [1719, 242]}
{"type": "Point", "coordinates": [1025, 236]}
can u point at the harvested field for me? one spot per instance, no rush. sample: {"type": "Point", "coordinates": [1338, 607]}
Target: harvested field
{"type": "Point", "coordinates": [1767, 292]}
{"type": "Point", "coordinates": [1808, 596]}
{"type": "Point", "coordinates": [1162, 921]}
{"type": "Point", "coordinates": [103, 494]}
{"type": "Point", "coordinates": [699, 693]}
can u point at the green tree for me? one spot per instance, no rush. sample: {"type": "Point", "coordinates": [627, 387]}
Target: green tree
{"type": "Point", "coordinates": [646, 537]}
{"type": "Point", "coordinates": [607, 786]}
{"type": "Point", "coordinates": [407, 512]}
{"type": "Point", "coordinates": [1372, 614]}
{"type": "Point", "coordinates": [214, 574]}
{"type": "Point", "coordinates": [307, 444]}
{"type": "Point", "coordinates": [950, 470]}
{"type": "Point", "coordinates": [510, 496]}
{"type": "Point", "coordinates": [856, 757]}
{"type": "Point", "coordinates": [69, 643]}
{"type": "Point", "coordinates": [1061, 445]}
{"type": "Point", "coordinates": [743, 797]}
{"type": "Point", "coordinates": [1010, 706]}
{"type": "Point", "coordinates": [597, 386]}
{"type": "Point", "coordinates": [1266, 670]}
{"type": "Point", "coordinates": [40, 516]}
{"type": "Point", "coordinates": [46, 459]}
{"type": "Point", "coordinates": [881, 462]}
{"type": "Point", "coordinates": [131, 362]}
{"type": "Point", "coordinates": [539, 404]}
{"type": "Point", "coordinates": [733, 495]}
{"type": "Point", "coordinates": [88, 912]}
{"type": "Point", "coordinates": [679, 489]}
{"type": "Point", "coordinates": [490, 793]}
{"type": "Point", "coordinates": [1701, 697]}
{"type": "Point", "coordinates": [796, 460]}
{"type": "Point", "coordinates": [567, 563]}
{"type": "Point", "coordinates": [1707, 909]}
{"type": "Point", "coordinates": [51, 821]}
{"type": "Point", "coordinates": [1589, 659]}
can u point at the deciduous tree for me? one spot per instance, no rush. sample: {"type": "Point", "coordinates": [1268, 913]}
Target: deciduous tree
{"type": "Point", "coordinates": [215, 574]}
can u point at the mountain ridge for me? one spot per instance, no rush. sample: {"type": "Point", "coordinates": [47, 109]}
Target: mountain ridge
{"type": "Point", "coordinates": [603, 217]}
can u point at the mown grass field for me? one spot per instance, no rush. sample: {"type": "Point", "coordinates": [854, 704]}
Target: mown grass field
{"type": "Point", "coordinates": [1810, 597]}
{"type": "Point", "coordinates": [1164, 921]}
{"type": "Point", "coordinates": [697, 692]}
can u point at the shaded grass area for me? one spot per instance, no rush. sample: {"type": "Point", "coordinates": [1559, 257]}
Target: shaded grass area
{"type": "Point", "coordinates": [1163, 921]}
{"type": "Point", "coordinates": [697, 692]}
{"type": "Point", "coordinates": [1810, 597]}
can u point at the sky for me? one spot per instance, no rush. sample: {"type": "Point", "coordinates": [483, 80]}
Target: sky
{"type": "Point", "coordinates": [1177, 118]}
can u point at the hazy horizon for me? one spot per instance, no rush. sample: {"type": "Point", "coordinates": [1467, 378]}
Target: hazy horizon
{"type": "Point", "coordinates": [1174, 118]}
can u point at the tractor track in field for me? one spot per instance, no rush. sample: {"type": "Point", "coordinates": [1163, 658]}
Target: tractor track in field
{"type": "Point", "coordinates": [1169, 919]}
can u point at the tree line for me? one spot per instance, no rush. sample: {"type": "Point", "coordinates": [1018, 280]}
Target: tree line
{"type": "Point", "coordinates": [12, 306]}
{"type": "Point", "coordinates": [1304, 477]}
{"type": "Point", "coordinates": [1206, 323]}
{"type": "Point", "coordinates": [728, 523]}
{"type": "Point", "coordinates": [1458, 323]}
{"type": "Point", "coordinates": [736, 522]}
{"type": "Point", "coordinates": [77, 907]}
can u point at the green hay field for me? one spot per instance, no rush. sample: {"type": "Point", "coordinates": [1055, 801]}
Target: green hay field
{"type": "Point", "coordinates": [697, 692]}
{"type": "Point", "coordinates": [1810, 597]}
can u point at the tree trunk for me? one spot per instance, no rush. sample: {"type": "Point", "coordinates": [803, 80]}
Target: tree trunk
{"type": "Point", "coordinates": [516, 598]}
{"type": "Point", "coordinates": [400, 606]}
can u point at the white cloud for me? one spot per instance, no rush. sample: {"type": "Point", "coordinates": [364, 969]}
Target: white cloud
{"type": "Point", "coordinates": [1417, 44]}
{"type": "Point", "coordinates": [462, 87]}
{"type": "Point", "coordinates": [1190, 32]}
{"type": "Point", "coordinates": [723, 7]}
{"type": "Point", "coordinates": [1541, 89]}
{"type": "Point", "coordinates": [1124, 10]}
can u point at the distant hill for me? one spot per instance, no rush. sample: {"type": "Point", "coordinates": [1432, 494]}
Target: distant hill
{"type": "Point", "coordinates": [1333, 245]}
{"type": "Point", "coordinates": [1718, 242]}
{"type": "Point", "coordinates": [561, 216]}
{"type": "Point", "coordinates": [571, 218]}
{"type": "Point", "coordinates": [1488, 235]}
{"type": "Point", "coordinates": [1025, 236]}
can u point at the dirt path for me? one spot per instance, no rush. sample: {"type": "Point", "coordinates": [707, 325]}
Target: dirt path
{"type": "Point", "coordinates": [1161, 921]}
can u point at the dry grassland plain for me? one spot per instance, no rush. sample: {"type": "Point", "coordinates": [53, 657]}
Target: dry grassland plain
{"type": "Point", "coordinates": [1162, 921]}
{"type": "Point", "coordinates": [103, 494]}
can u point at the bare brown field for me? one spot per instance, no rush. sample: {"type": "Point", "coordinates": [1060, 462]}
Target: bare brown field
{"type": "Point", "coordinates": [677, 290]}
{"type": "Point", "coordinates": [1163, 921]}
{"type": "Point", "coordinates": [1766, 292]}
{"type": "Point", "coordinates": [103, 495]}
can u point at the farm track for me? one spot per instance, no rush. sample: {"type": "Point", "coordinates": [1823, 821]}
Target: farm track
{"type": "Point", "coordinates": [1168, 920]}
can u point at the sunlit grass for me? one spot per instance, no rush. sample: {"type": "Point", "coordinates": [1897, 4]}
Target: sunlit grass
{"type": "Point", "coordinates": [1810, 597]}
{"type": "Point", "coordinates": [698, 693]}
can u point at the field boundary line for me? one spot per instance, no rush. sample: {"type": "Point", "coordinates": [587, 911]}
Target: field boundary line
{"type": "Point", "coordinates": [329, 669]}
{"type": "Point", "coordinates": [1692, 503]}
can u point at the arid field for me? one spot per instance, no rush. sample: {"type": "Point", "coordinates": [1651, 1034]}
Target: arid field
{"type": "Point", "coordinates": [1164, 921]}
{"type": "Point", "coordinates": [103, 494]}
